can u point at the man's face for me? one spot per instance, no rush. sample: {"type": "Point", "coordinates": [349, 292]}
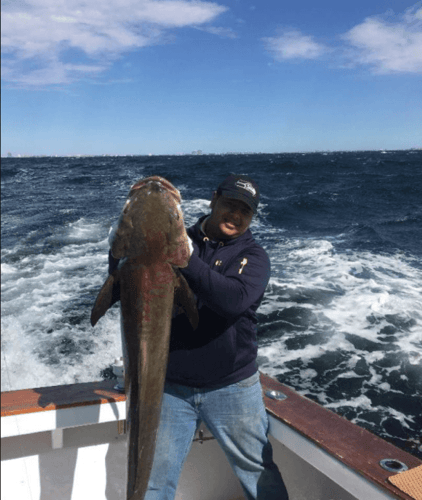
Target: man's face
{"type": "Point", "coordinates": [229, 219]}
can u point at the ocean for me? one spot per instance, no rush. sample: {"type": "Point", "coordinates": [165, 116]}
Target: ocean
{"type": "Point", "coordinates": [341, 320]}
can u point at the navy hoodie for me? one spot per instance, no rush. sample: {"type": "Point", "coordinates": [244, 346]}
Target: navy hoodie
{"type": "Point", "coordinates": [229, 279]}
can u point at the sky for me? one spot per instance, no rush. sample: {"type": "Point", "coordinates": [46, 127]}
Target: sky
{"type": "Point", "coordinates": [174, 76]}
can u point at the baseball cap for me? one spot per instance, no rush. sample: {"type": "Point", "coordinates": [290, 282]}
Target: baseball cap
{"type": "Point", "coordinates": [241, 187]}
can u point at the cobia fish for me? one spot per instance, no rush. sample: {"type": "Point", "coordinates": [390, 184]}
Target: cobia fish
{"type": "Point", "coordinates": [151, 241]}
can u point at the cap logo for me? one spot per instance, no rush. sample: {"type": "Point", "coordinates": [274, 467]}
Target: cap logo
{"type": "Point", "coordinates": [246, 185]}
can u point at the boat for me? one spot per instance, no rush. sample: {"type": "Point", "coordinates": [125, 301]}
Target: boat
{"type": "Point", "coordinates": [69, 442]}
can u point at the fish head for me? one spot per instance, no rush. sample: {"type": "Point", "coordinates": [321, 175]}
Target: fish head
{"type": "Point", "coordinates": [151, 224]}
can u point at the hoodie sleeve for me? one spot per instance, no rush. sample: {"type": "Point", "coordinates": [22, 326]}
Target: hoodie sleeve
{"type": "Point", "coordinates": [231, 293]}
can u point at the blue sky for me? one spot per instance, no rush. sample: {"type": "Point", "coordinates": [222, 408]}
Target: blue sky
{"type": "Point", "coordinates": [173, 76]}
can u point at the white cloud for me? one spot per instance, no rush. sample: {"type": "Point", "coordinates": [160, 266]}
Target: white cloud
{"type": "Point", "coordinates": [37, 33]}
{"type": "Point", "coordinates": [221, 32]}
{"type": "Point", "coordinates": [388, 46]}
{"type": "Point", "coordinates": [385, 44]}
{"type": "Point", "coordinates": [54, 73]}
{"type": "Point", "coordinates": [293, 44]}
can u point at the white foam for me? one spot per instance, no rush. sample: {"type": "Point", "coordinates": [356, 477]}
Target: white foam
{"type": "Point", "coordinates": [360, 402]}
{"type": "Point", "coordinates": [415, 358]}
{"type": "Point", "coordinates": [8, 269]}
{"type": "Point", "coordinates": [193, 209]}
{"type": "Point", "coordinates": [398, 415]}
{"type": "Point", "coordinates": [350, 374]}
{"type": "Point", "coordinates": [83, 230]}
{"type": "Point", "coordinates": [308, 374]}
{"type": "Point", "coordinates": [340, 297]}
{"type": "Point", "coordinates": [41, 294]}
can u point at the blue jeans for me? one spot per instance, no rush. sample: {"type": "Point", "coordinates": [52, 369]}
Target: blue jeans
{"type": "Point", "coordinates": [236, 416]}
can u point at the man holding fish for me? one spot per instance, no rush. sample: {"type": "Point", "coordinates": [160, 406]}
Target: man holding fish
{"type": "Point", "coordinates": [212, 374]}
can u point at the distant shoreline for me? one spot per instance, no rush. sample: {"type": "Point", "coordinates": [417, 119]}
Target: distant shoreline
{"type": "Point", "coordinates": [195, 153]}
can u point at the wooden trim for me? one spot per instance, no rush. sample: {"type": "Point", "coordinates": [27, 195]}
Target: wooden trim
{"type": "Point", "coordinates": [59, 397]}
{"type": "Point", "coordinates": [352, 445]}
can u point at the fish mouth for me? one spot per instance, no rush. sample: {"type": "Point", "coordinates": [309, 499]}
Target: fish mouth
{"type": "Point", "coordinates": [157, 184]}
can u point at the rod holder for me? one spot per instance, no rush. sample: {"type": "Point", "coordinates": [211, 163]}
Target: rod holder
{"type": "Point", "coordinates": [277, 395]}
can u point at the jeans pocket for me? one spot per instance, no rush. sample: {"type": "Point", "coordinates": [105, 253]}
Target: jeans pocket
{"type": "Point", "coordinates": [248, 382]}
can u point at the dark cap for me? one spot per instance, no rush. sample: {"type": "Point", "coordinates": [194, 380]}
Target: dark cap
{"type": "Point", "coordinates": [241, 187]}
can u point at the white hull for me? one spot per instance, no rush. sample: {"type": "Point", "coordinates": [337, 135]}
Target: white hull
{"type": "Point", "coordinates": [79, 453]}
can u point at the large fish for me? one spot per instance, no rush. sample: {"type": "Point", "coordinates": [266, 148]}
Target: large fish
{"type": "Point", "coordinates": [152, 242]}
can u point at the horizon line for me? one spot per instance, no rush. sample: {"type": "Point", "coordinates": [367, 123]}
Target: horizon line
{"type": "Point", "coordinates": [200, 153]}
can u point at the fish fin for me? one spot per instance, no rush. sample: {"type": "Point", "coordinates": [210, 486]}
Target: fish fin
{"type": "Point", "coordinates": [185, 299]}
{"type": "Point", "coordinates": [108, 295]}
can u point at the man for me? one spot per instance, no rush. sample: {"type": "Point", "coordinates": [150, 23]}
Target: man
{"type": "Point", "coordinates": [212, 374]}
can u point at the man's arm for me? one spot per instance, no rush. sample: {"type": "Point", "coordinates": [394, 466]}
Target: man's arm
{"type": "Point", "coordinates": [232, 293]}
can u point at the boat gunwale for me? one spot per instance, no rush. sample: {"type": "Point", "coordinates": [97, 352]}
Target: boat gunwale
{"type": "Point", "coordinates": [59, 397]}
{"type": "Point", "coordinates": [360, 450]}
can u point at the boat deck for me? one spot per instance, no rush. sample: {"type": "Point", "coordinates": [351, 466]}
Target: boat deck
{"type": "Point", "coordinates": [57, 438]}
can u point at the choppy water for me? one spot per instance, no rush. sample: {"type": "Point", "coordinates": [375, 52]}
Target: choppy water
{"type": "Point", "coordinates": [341, 321]}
